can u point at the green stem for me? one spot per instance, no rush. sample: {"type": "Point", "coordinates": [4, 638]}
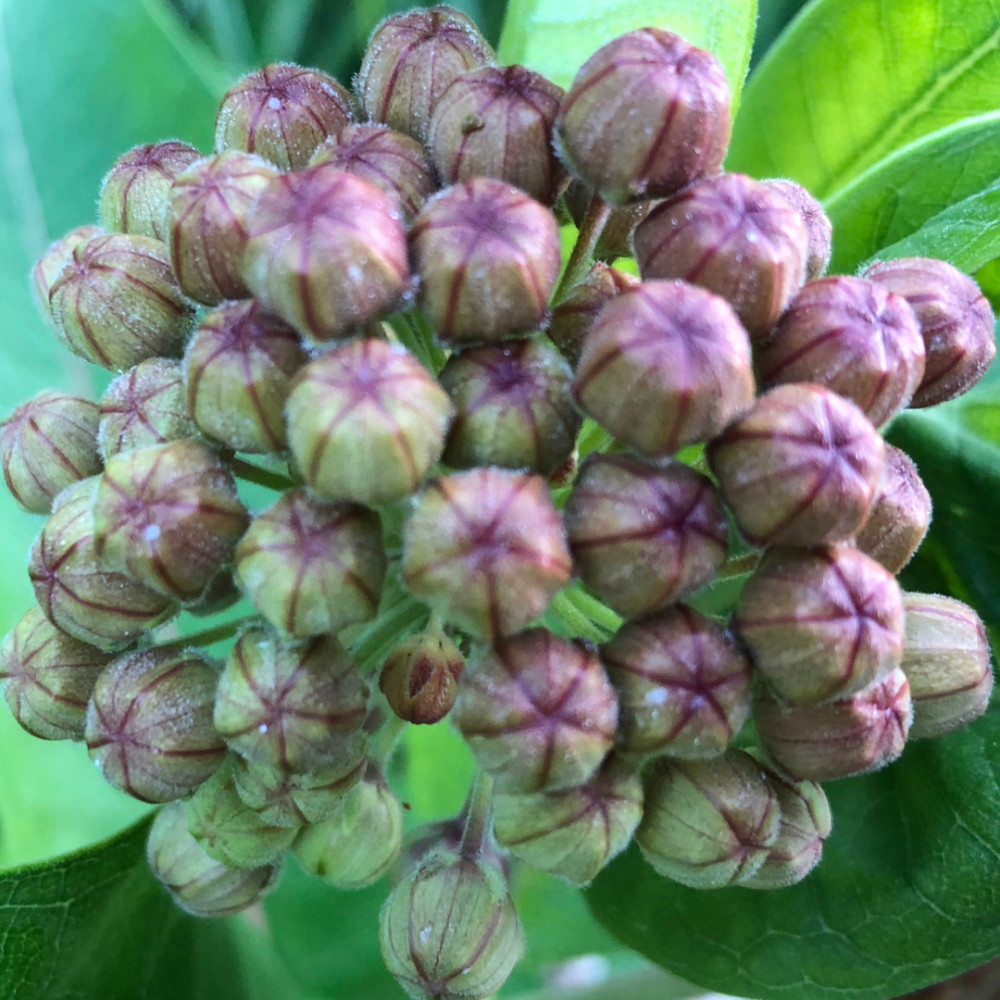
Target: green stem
{"type": "Point", "coordinates": [598, 213]}
{"type": "Point", "coordinates": [737, 567]}
{"type": "Point", "coordinates": [262, 477]}
{"type": "Point", "coordinates": [217, 633]}
{"type": "Point", "coordinates": [477, 811]}
{"type": "Point", "coordinates": [384, 741]}
{"type": "Point", "coordinates": [387, 630]}
{"type": "Point", "coordinates": [585, 616]}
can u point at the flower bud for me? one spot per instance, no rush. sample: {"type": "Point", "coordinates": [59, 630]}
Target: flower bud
{"type": "Point", "coordinates": [616, 237]}
{"type": "Point", "coordinates": [76, 592]}
{"type": "Point", "coordinates": [116, 302]}
{"type": "Point", "coordinates": [802, 467]}
{"type": "Point", "coordinates": [683, 685]}
{"type": "Point", "coordinates": [496, 121]}
{"type": "Point", "coordinates": [46, 677]}
{"type": "Point", "coordinates": [149, 723]}
{"type": "Point", "coordinates": [206, 222]}
{"type": "Point", "coordinates": [282, 112]}
{"type": "Point", "coordinates": [665, 364]}
{"type": "Point", "coordinates": [198, 884]}
{"type": "Point", "coordinates": [513, 407]}
{"type": "Point", "coordinates": [734, 236]}
{"type": "Point", "coordinates": [485, 549]}
{"type": "Point", "coordinates": [135, 191]}
{"type": "Point", "coordinates": [574, 832]}
{"type": "Point", "coordinates": [955, 319]}
{"type": "Point", "coordinates": [821, 624]}
{"type": "Point", "coordinates": [837, 739]}
{"type": "Point", "coordinates": [366, 421]}
{"type": "Point", "coordinates": [708, 823]}
{"type": "Point", "coordinates": [642, 537]}
{"type": "Point", "coordinates": [144, 406]}
{"type": "Point", "coordinates": [238, 369]}
{"type": "Point", "coordinates": [359, 843]}
{"type": "Point", "coordinates": [326, 251]}
{"type": "Point", "coordinates": [538, 712]}
{"type": "Point", "coordinates": [392, 161]}
{"type": "Point", "coordinates": [168, 516]}
{"type": "Point", "coordinates": [819, 229]}
{"type": "Point", "coordinates": [946, 659]}
{"type": "Point", "coordinates": [487, 257]}
{"type": "Point", "coordinates": [647, 114]}
{"type": "Point", "coordinates": [852, 336]}
{"type": "Point", "coordinates": [47, 444]}
{"type": "Point", "coordinates": [449, 929]}
{"type": "Point", "coordinates": [312, 567]}
{"type": "Point", "coordinates": [289, 705]}
{"type": "Point", "coordinates": [49, 267]}
{"type": "Point", "coordinates": [420, 676]}
{"type": "Point", "coordinates": [410, 61]}
{"type": "Point", "coordinates": [901, 514]}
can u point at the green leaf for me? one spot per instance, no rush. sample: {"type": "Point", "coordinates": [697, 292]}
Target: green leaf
{"type": "Point", "coordinates": [853, 80]}
{"type": "Point", "coordinates": [556, 37]}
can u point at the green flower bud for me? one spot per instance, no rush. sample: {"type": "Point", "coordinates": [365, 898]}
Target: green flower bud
{"type": "Point", "coordinates": [238, 368]}
{"type": "Point", "coordinates": [198, 884]}
{"type": "Point", "coordinates": [946, 659]}
{"type": "Point", "coordinates": [135, 191]}
{"type": "Point", "coordinates": [538, 711]}
{"type": "Point", "coordinates": [572, 833]}
{"type": "Point", "coordinates": [282, 112]}
{"type": "Point", "coordinates": [168, 516]}
{"type": "Point", "coordinates": [51, 264]}
{"type": "Point", "coordinates": [47, 444]}
{"type": "Point", "coordinates": [616, 237]}
{"type": "Point", "coordinates": [289, 705]}
{"type": "Point", "coordinates": [708, 823]}
{"type": "Point", "coordinates": [312, 567]}
{"type": "Point", "coordinates": [149, 723]}
{"type": "Point", "coordinates": [46, 677]}
{"type": "Point", "coordinates": [485, 549]}
{"type": "Point", "coordinates": [366, 421]}
{"type": "Point", "coordinates": [449, 930]}
{"type": "Point", "coordinates": [116, 302]}
{"type": "Point", "coordinates": [819, 229]}
{"type": "Point", "coordinates": [420, 676]}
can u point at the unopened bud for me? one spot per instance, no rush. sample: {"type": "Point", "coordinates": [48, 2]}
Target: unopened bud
{"type": "Point", "coordinates": [818, 227]}
{"type": "Point", "coordinates": [420, 676]}
{"type": "Point", "coordinates": [55, 258]}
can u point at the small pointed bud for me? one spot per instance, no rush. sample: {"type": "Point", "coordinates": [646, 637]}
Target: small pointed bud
{"type": "Point", "coordinates": [616, 237]}
{"type": "Point", "coordinates": [366, 421]}
{"type": "Point", "coordinates": [238, 369]}
{"type": "Point", "coordinates": [647, 114]}
{"type": "Point", "coordinates": [734, 236]}
{"type": "Point", "coordinates": [955, 319]}
{"type": "Point", "coordinates": [312, 567]}
{"type": "Point", "coordinates": [47, 677]}
{"type": "Point", "coordinates": [360, 842]}
{"type": "Point", "coordinates": [135, 191]}
{"type": "Point", "coordinates": [683, 685]}
{"type": "Point", "coordinates": [901, 514]}
{"type": "Point", "coordinates": [837, 739]}
{"type": "Point", "coordinates": [168, 516]}
{"type": "Point", "coordinates": [820, 624]}
{"type": "Point", "coordinates": [289, 705]}
{"type": "Point", "coordinates": [514, 407]}
{"type": "Point", "coordinates": [642, 537]}
{"type": "Point", "coordinates": [411, 60]}
{"type": "Point", "coordinates": [47, 444]}
{"type": "Point", "coordinates": [144, 406]}
{"type": "Point", "coordinates": [486, 549]}
{"type": "Point", "coordinates": [449, 929]}
{"type": "Point", "coordinates": [206, 221]}
{"type": "Point", "coordinates": [197, 883]}
{"type": "Point", "coordinates": [487, 257]}
{"type": "Point", "coordinates": [49, 267]}
{"type": "Point", "coordinates": [149, 723]}
{"type": "Point", "coordinates": [708, 823]}
{"type": "Point", "coordinates": [326, 251]}
{"type": "Point", "coordinates": [282, 112]}
{"type": "Point", "coordinates": [802, 467]}
{"type": "Point", "coordinates": [664, 365]}
{"type": "Point", "coordinates": [496, 121]}
{"type": "Point", "coordinates": [76, 592]}
{"type": "Point", "coordinates": [946, 659]}
{"type": "Point", "coordinates": [852, 336]}
{"type": "Point", "coordinates": [818, 227]}
{"type": "Point", "coordinates": [420, 676]}
{"type": "Point", "coordinates": [574, 832]}
{"type": "Point", "coordinates": [116, 302]}
{"type": "Point", "coordinates": [538, 711]}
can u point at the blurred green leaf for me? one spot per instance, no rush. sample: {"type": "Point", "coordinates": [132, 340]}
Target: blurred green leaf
{"type": "Point", "coordinates": [772, 18]}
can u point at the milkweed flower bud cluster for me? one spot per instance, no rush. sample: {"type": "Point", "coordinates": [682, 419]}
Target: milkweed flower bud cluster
{"type": "Point", "coordinates": [487, 480]}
